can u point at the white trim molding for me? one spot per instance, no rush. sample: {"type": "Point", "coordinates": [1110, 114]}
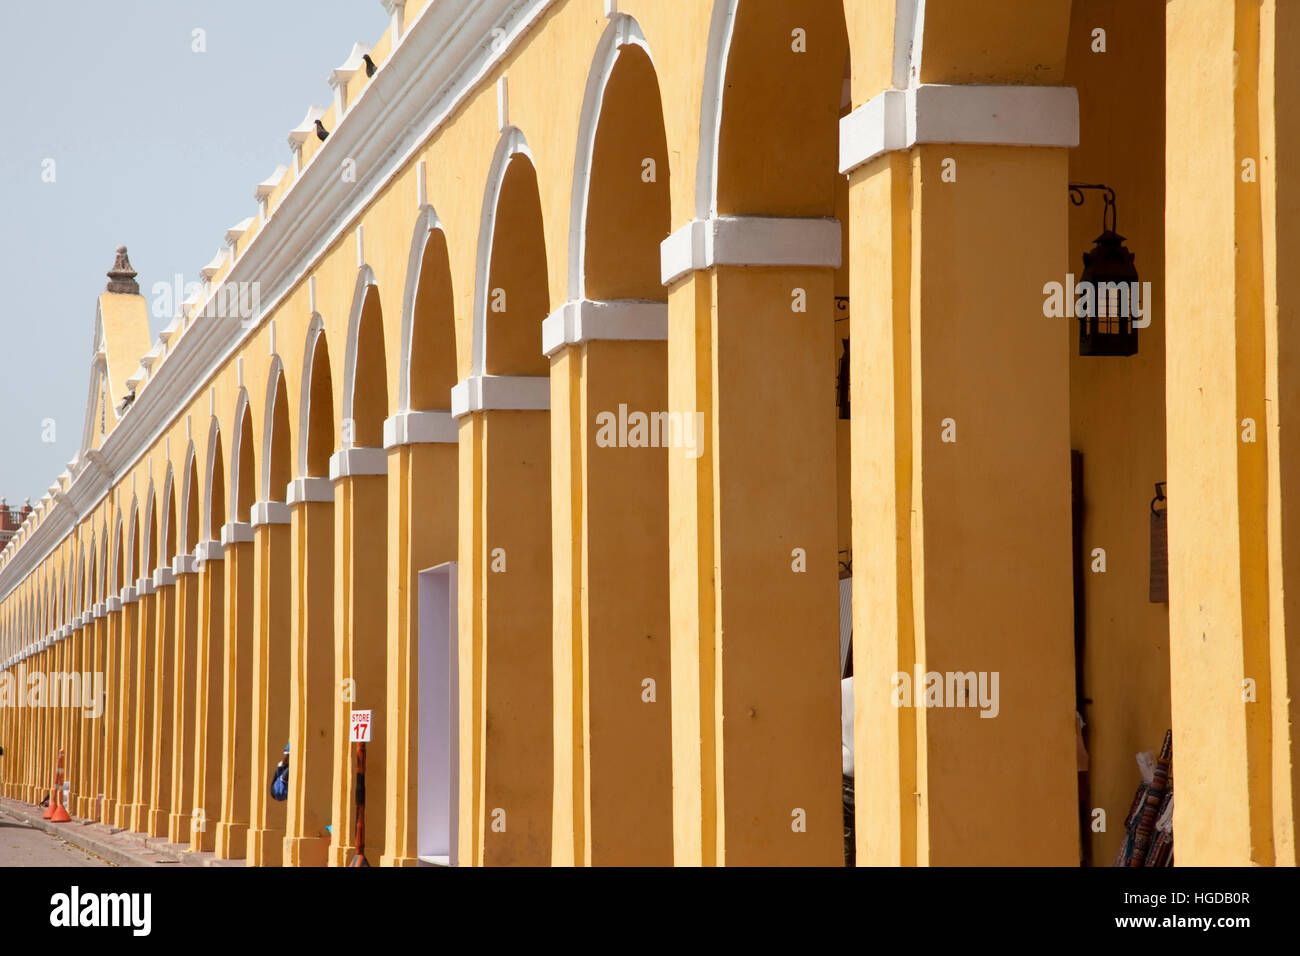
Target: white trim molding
{"type": "Point", "coordinates": [484, 393]}
{"type": "Point", "coordinates": [303, 490]}
{"type": "Point", "coordinates": [749, 241]}
{"type": "Point", "coordinates": [959, 114]}
{"type": "Point", "coordinates": [268, 512]}
{"type": "Point", "coordinates": [419, 428]}
{"type": "Point", "coordinates": [358, 462]}
{"type": "Point", "coordinates": [113, 604]}
{"type": "Point", "coordinates": [144, 586]}
{"type": "Point", "coordinates": [99, 610]}
{"type": "Point", "coordinates": [184, 564]}
{"type": "Point", "coordinates": [163, 577]}
{"type": "Point", "coordinates": [587, 320]}
{"type": "Point", "coordinates": [129, 594]}
{"type": "Point", "coordinates": [208, 551]}
{"type": "Point", "coordinates": [236, 532]}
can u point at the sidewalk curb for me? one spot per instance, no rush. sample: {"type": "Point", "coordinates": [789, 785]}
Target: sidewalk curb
{"type": "Point", "coordinates": [105, 842]}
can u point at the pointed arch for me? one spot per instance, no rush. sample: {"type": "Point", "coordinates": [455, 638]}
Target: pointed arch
{"type": "Point", "coordinates": [365, 382]}
{"type": "Point", "coordinates": [277, 439]}
{"type": "Point", "coordinates": [243, 458]}
{"type": "Point", "coordinates": [134, 545]}
{"type": "Point", "coordinates": [622, 49]}
{"type": "Point", "coordinates": [316, 435]}
{"type": "Point", "coordinates": [168, 536]}
{"type": "Point", "coordinates": [191, 526]}
{"type": "Point", "coordinates": [214, 485]}
{"type": "Point", "coordinates": [428, 367]}
{"type": "Point", "coordinates": [510, 231]}
{"type": "Point", "coordinates": [149, 533]}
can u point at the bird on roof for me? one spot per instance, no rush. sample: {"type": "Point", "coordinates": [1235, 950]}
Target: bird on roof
{"type": "Point", "coordinates": [370, 64]}
{"type": "Point", "coordinates": [321, 131]}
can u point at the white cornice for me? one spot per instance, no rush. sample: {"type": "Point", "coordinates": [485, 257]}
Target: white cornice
{"type": "Point", "coordinates": [943, 113]}
{"type": "Point", "coordinates": [749, 241]}
{"type": "Point", "coordinates": [443, 57]}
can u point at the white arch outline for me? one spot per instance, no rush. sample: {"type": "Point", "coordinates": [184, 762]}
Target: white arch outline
{"type": "Point", "coordinates": [622, 30]}
{"type": "Point", "coordinates": [365, 280]}
{"type": "Point", "coordinates": [315, 329]}
{"type": "Point", "coordinates": [242, 408]}
{"type": "Point", "coordinates": [425, 223]}
{"type": "Point", "coordinates": [205, 509]}
{"type": "Point", "coordinates": [511, 144]}
{"type": "Point", "coordinates": [274, 374]}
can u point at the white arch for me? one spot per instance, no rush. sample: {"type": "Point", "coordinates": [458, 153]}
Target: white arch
{"type": "Point", "coordinates": [621, 31]}
{"type": "Point", "coordinates": [315, 328]}
{"type": "Point", "coordinates": [147, 556]}
{"type": "Point", "coordinates": [165, 520]}
{"type": "Point", "coordinates": [365, 279]}
{"type": "Point", "coordinates": [425, 223]}
{"type": "Point", "coordinates": [237, 449]}
{"type": "Point", "coordinates": [512, 143]}
{"type": "Point", "coordinates": [128, 548]}
{"type": "Point", "coordinates": [715, 83]}
{"type": "Point", "coordinates": [183, 505]}
{"type": "Point", "coordinates": [207, 532]}
{"type": "Point", "coordinates": [274, 374]}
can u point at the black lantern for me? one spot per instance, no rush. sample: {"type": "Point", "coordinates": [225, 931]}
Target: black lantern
{"type": "Point", "coordinates": [842, 376]}
{"type": "Point", "coordinates": [1108, 291]}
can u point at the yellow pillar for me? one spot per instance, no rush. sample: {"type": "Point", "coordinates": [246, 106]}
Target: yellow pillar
{"type": "Point", "coordinates": [613, 753]}
{"type": "Point", "coordinates": [141, 753]}
{"type": "Point", "coordinates": [360, 642]}
{"type": "Point", "coordinates": [754, 564]}
{"type": "Point", "coordinates": [505, 624]}
{"type": "Point", "coordinates": [422, 518]}
{"type": "Point", "coordinates": [185, 646]}
{"type": "Point", "coordinates": [269, 679]}
{"type": "Point", "coordinates": [112, 727]}
{"type": "Point", "coordinates": [208, 690]}
{"type": "Point", "coordinates": [163, 694]}
{"type": "Point", "coordinates": [960, 397]}
{"type": "Point", "coordinates": [237, 690]}
{"type": "Point", "coordinates": [92, 747]}
{"type": "Point", "coordinates": [312, 686]}
{"type": "Point", "coordinates": [126, 731]}
{"type": "Point", "coordinates": [1231, 141]}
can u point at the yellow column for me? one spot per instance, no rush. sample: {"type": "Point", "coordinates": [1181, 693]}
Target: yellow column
{"type": "Point", "coordinates": [78, 728]}
{"type": "Point", "coordinates": [1231, 141]}
{"type": "Point", "coordinates": [208, 690]}
{"type": "Point", "coordinates": [312, 686]}
{"type": "Point", "coordinates": [126, 731]}
{"type": "Point", "coordinates": [505, 629]}
{"type": "Point", "coordinates": [185, 648]}
{"type": "Point", "coordinates": [360, 642]}
{"type": "Point", "coordinates": [163, 694]}
{"type": "Point", "coordinates": [422, 534]}
{"type": "Point", "coordinates": [143, 678]}
{"type": "Point", "coordinates": [269, 679]}
{"type": "Point", "coordinates": [92, 745]}
{"type": "Point", "coordinates": [613, 709]}
{"type": "Point", "coordinates": [960, 397]}
{"type": "Point", "coordinates": [754, 564]}
{"type": "Point", "coordinates": [237, 690]}
{"type": "Point", "coordinates": [112, 727]}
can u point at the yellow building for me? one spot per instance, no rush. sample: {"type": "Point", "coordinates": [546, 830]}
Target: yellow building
{"type": "Point", "coordinates": [511, 417]}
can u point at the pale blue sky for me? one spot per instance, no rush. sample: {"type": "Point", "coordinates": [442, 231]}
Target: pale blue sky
{"type": "Point", "coordinates": [156, 147]}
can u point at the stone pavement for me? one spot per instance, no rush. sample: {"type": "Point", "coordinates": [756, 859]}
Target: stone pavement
{"type": "Point", "coordinates": [115, 846]}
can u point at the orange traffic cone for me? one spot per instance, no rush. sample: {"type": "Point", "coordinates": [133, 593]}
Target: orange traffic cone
{"type": "Point", "coordinates": [58, 813]}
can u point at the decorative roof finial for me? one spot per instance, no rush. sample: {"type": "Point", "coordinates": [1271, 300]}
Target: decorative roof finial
{"type": "Point", "coordinates": [121, 278]}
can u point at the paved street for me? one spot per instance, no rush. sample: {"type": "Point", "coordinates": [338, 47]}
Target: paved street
{"type": "Point", "coordinates": [22, 845]}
